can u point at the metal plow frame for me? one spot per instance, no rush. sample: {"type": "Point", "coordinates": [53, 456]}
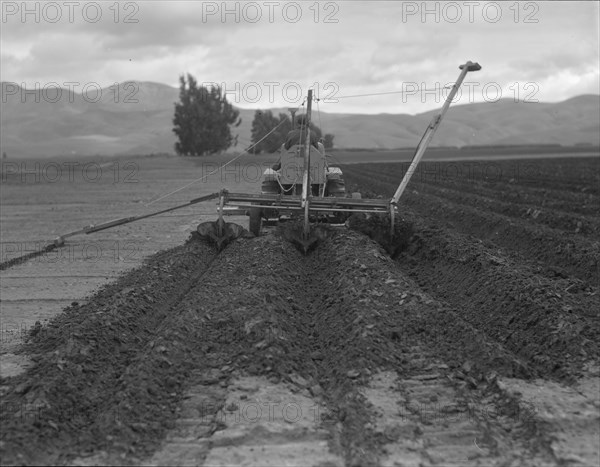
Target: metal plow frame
{"type": "Point", "coordinates": [295, 203]}
{"type": "Point", "coordinates": [244, 203]}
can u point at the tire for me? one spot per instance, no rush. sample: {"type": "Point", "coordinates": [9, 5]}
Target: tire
{"type": "Point", "coordinates": [255, 222]}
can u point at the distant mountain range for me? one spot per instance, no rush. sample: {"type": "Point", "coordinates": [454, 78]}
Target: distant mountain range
{"type": "Point", "coordinates": [136, 118]}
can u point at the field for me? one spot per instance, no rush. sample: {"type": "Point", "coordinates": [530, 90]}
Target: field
{"type": "Point", "coordinates": [475, 345]}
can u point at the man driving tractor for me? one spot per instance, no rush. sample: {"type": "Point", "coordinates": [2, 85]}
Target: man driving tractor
{"type": "Point", "coordinates": [295, 136]}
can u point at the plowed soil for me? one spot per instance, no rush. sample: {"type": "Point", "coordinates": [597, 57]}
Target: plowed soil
{"type": "Point", "coordinates": [473, 343]}
{"type": "Point", "coordinates": [524, 272]}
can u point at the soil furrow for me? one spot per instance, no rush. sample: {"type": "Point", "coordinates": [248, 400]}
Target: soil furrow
{"type": "Point", "coordinates": [538, 243]}
{"type": "Point", "coordinates": [496, 184]}
{"type": "Point", "coordinates": [559, 254]}
{"type": "Point", "coordinates": [550, 198]}
{"type": "Point", "coordinates": [155, 367]}
{"type": "Point", "coordinates": [555, 219]}
{"type": "Point", "coordinates": [550, 323]}
{"type": "Point", "coordinates": [328, 332]}
{"type": "Point", "coordinates": [74, 393]}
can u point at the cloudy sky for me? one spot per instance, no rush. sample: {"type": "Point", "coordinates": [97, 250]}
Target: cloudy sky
{"type": "Point", "coordinates": [267, 54]}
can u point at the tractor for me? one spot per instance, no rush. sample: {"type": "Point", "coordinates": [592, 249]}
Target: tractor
{"type": "Point", "coordinates": [286, 179]}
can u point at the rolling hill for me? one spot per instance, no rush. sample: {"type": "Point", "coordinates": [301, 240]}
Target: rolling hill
{"type": "Point", "coordinates": [137, 119]}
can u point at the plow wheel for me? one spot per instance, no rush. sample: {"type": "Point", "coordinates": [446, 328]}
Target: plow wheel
{"type": "Point", "coordinates": [255, 222]}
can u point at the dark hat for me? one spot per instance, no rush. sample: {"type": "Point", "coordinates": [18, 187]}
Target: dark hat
{"type": "Point", "coordinates": [301, 119]}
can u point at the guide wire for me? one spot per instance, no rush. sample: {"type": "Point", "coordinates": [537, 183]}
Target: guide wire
{"type": "Point", "coordinates": [381, 94]}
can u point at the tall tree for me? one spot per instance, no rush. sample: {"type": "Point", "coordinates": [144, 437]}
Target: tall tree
{"type": "Point", "coordinates": [328, 141]}
{"type": "Point", "coordinates": [203, 119]}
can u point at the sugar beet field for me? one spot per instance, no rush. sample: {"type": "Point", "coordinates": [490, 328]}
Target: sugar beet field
{"type": "Point", "coordinates": [476, 345]}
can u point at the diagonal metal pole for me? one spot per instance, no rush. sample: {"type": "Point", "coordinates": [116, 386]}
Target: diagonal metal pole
{"type": "Point", "coordinates": [427, 136]}
{"type": "Point", "coordinates": [433, 126]}
{"type": "Point", "coordinates": [126, 220]}
{"type": "Point", "coordinates": [306, 191]}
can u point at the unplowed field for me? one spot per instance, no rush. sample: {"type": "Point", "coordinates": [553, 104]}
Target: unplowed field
{"type": "Point", "coordinates": [475, 345]}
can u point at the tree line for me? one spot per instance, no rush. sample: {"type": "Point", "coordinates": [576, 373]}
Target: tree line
{"type": "Point", "coordinates": [204, 118]}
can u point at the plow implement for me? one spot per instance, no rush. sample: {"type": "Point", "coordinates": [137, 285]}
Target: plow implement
{"type": "Point", "coordinates": [310, 210]}
{"type": "Point", "coordinates": [304, 168]}
{"type": "Point", "coordinates": [304, 188]}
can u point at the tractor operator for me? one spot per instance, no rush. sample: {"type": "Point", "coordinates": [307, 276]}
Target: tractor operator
{"type": "Point", "coordinates": [296, 135]}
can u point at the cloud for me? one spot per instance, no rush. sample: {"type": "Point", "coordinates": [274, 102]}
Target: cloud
{"type": "Point", "coordinates": [360, 47]}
